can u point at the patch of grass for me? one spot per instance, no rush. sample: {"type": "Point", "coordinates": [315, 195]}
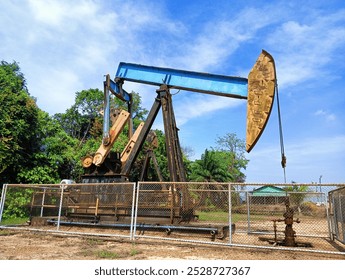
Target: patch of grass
{"type": "Point", "coordinates": [134, 251]}
{"type": "Point", "coordinates": [86, 253]}
{"type": "Point", "coordinates": [93, 241]}
{"type": "Point", "coordinates": [220, 216]}
{"type": "Point", "coordinates": [214, 216]}
{"type": "Point", "coordinates": [14, 221]}
{"type": "Point", "coordinates": [104, 254]}
{"type": "Point", "coordinates": [6, 232]}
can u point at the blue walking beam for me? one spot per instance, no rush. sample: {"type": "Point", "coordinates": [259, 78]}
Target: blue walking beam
{"type": "Point", "coordinates": [236, 87]}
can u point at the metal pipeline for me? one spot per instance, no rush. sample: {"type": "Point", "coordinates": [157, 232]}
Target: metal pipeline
{"type": "Point", "coordinates": [167, 228]}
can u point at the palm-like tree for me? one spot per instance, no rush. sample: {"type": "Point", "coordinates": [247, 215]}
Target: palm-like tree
{"type": "Point", "coordinates": [212, 169]}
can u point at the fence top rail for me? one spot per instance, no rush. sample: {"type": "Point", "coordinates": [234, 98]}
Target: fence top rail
{"type": "Point", "coordinates": [247, 184]}
{"type": "Point", "coordinates": [35, 186]}
{"type": "Point", "coordinates": [233, 184]}
{"type": "Point", "coordinates": [58, 186]}
{"type": "Point", "coordinates": [182, 183]}
{"type": "Point", "coordinates": [339, 190]}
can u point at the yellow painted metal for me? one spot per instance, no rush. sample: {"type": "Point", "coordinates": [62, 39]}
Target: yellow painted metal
{"type": "Point", "coordinates": [261, 89]}
{"type": "Point", "coordinates": [129, 147]}
{"type": "Point", "coordinates": [87, 161]}
{"type": "Point", "coordinates": [114, 132]}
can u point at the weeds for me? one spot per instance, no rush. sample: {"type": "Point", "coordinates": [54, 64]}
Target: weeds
{"type": "Point", "coordinates": [104, 254]}
{"type": "Point", "coordinates": [134, 252]}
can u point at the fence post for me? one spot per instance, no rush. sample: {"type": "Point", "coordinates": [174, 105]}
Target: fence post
{"type": "Point", "coordinates": [334, 222]}
{"type": "Point", "coordinates": [248, 212]}
{"type": "Point", "coordinates": [326, 200]}
{"type": "Point", "coordinates": [2, 200]}
{"type": "Point", "coordinates": [136, 210]}
{"type": "Point", "coordinates": [62, 187]}
{"type": "Point", "coordinates": [131, 234]}
{"type": "Point", "coordinates": [43, 200]}
{"type": "Point", "coordinates": [230, 214]}
{"type": "Point", "coordinates": [342, 218]}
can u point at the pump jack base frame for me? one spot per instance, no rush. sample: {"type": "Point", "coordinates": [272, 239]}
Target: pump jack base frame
{"type": "Point", "coordinates": [219, 232]}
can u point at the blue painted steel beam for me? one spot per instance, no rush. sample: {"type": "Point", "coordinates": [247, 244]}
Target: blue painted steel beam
{"type": "Point", "coordinates": [229, 86]}
{"type": "Point", "coordinates": [119, 92]}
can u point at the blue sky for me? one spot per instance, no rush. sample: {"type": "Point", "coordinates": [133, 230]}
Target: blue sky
{"type": "Point", "coordinates": [66, 46]}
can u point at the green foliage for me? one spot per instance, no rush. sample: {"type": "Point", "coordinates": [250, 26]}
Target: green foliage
{"type": "Point", "coordinates": [33, 147]}
{"type": "Point", "coordinates": [297, 195]}
{"type": "Point", "coordinates": [134, 251]}
{"type": "Point", "coordinates": [18, 122]}
{"type": "Point", "coordinates": [17, 203]}
{"type": "Point", "coordinates": [223, 164]}
{"type": "Point", "coordinates": [83, 123]}
{"type": "Point", "coordinates": [235, 155]}
{"type": "Point", "coordinates": [83, 119]}
{"type": "Point", "coordinates": [55, 158]}
{"type": "Point", "coordinates": [212, 167]}
{"type": "Point", "coordinates": [104, 254]}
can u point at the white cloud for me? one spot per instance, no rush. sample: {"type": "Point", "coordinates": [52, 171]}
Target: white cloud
{"type": "Point", "coordinates": [191, 106]}
{"type": "Point", "coordinates": [221, 37]}
{"type": "Point", "coordinates": [57, 87]}
{"type": "Point", "coordinates": [327, 116]}
{"type": "Point", "coordinates": [304, 49]}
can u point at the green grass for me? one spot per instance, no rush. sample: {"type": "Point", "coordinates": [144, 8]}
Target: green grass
{"type": "Point", "coordinates": [134, 251]}
{"type": "Point", "coordinates": [14, 221]}
{"type": "Point", "coordinates": [220, 216]}
{"type": "Point", "coordinates": [93, 241]}
{"type": "Point", "coordinates": [213, 216]}
{"type": "Point", "coordinates": [104, 254]}
{"type": "Point", "coordinates": [5, 232]}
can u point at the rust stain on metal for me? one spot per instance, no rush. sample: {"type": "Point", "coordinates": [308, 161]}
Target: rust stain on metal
{"type": "Point", "coordinates": [261, 88]}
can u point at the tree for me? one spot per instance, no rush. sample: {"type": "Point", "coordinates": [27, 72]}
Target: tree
{"type": "Point", "coordinates": [54, 160]}
{"type": "Point", "coordinates": [297, 195]}
{"type": "Point", "coordinates": [210, 168]}
{"type": "Point", "coordinates": [18, 123]}
{"type": "Point", "coordinates": [33, 147]}
{"type": "Point", "coordinates": [235, 150]}
{"type": "Point", "coordinates": [83, 119]}
{"type": "Point", "coordinates": [223, 164]}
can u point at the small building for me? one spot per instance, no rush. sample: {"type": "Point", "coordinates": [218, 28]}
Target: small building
{"type": "Point", "coordinates": [268, 194]}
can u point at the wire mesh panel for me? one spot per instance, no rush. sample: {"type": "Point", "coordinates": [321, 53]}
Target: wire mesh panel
{"type": "Point", "coordinates": [254, 213]}
{"type": "Point", "coordinates": [28, 204]}
{"type": "Point", "coordinates": [193, 211]}
{"type": "Point", "coordinates": [85, 208]}
{"type": "Point", "coordinates": [111, 201]}
{"type": "Point", "coordinates": [294, 216]}
{"type": "Point", "coordinates": [235, 214]}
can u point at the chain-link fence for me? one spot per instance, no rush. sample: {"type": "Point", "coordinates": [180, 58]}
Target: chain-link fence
{"type": "Point", "coordinates": [77, 208]}
{"type": "Point", "coordinates": [294, 216]}
{"type": "Point", "coordinates": [183, 211]}
{"type": "Point", "coordinates": [20, 202]}
{"type": "Point", "coordinates": [280, 215]}
{"type": "Point", "coordinates": [337, 214]}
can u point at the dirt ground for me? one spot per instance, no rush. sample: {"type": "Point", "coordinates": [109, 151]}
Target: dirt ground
{"type": "Point", "coordinates": [31, 245]}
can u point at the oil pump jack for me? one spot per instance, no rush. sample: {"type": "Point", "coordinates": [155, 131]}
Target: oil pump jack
{"type": "Point", "coordinates": [107, 166]}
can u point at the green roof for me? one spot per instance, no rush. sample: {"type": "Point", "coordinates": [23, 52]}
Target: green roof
{"type": "Point", "coordinates": [269, 191]}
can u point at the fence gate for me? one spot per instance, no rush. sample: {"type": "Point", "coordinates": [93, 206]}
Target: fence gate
{"type": "Point", "coordinates": [337, 214]}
